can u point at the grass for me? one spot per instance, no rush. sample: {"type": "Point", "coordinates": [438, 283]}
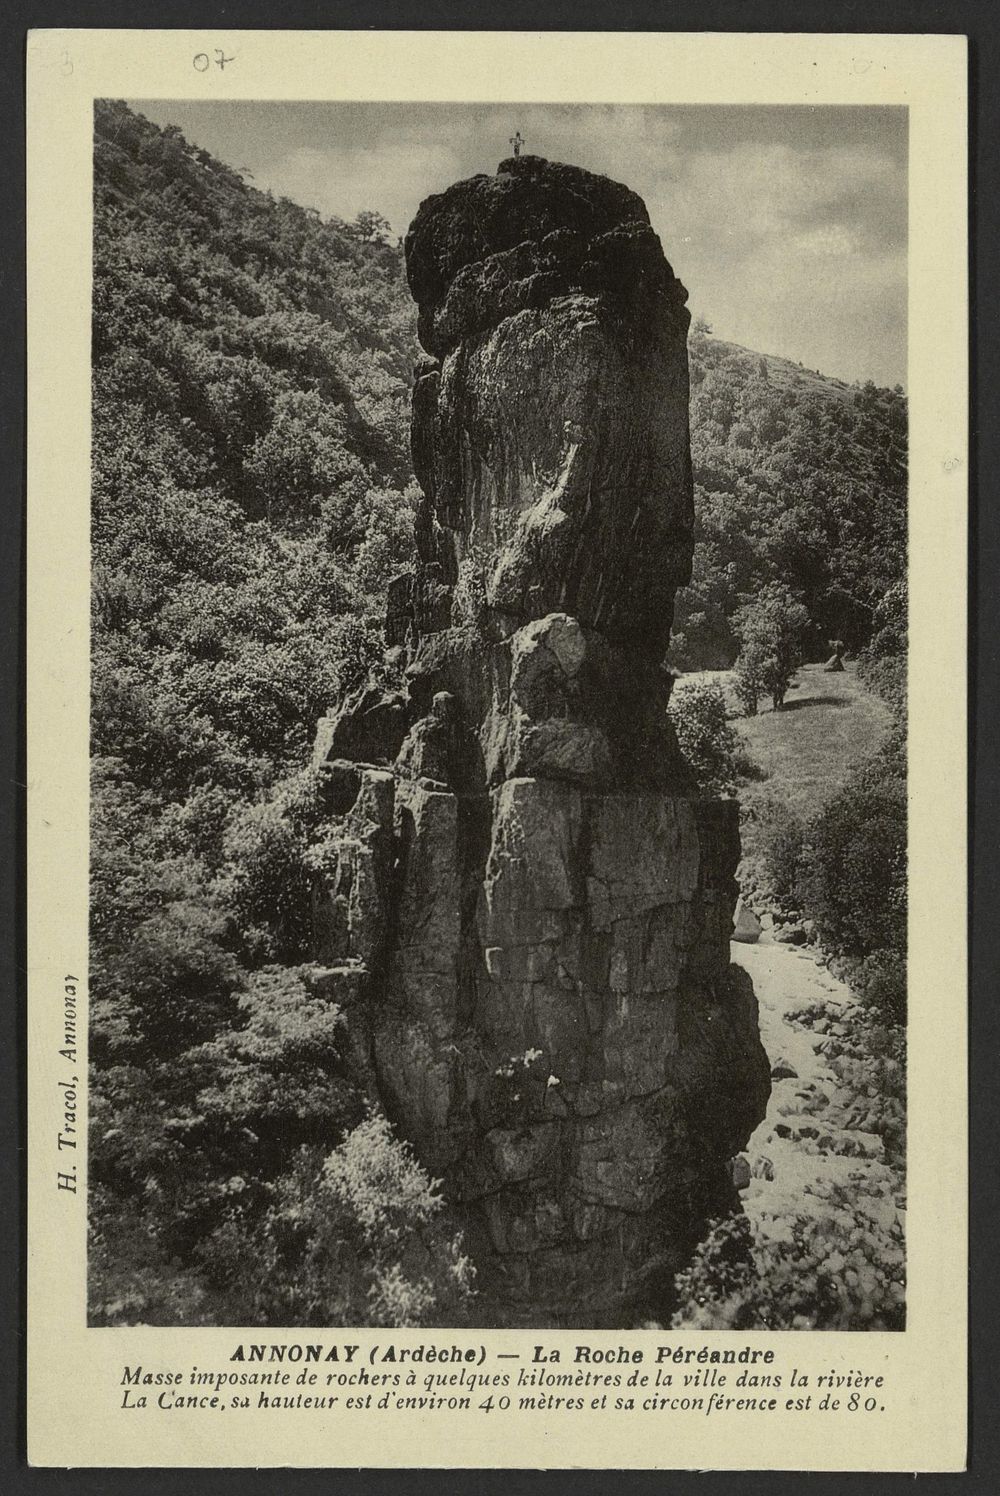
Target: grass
{"type": "Point", "coordinates": [806, 749]}
{"type": "Point", "coordinates": [800, 756]}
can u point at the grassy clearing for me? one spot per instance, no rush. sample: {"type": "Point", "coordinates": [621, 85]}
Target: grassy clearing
{"type": "Point", "coordinates": [803, 752]}
{"type": "Point", "coordinates": [801, 755]}
{"type": "Point", "coordinates": [806, 750]}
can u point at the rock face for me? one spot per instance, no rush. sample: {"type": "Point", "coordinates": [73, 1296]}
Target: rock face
{"type": "Point", "coordinates": [529, 907]}
{"type": "Point", "coordinates": [550, 431]}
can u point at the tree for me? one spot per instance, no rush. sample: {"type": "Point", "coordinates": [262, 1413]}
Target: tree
{"type": "Point", "coordinates": [770, 630]}
{"type": "Point", "coordinates": [251, 498]}
{"type": "Point", "coordinates": [797, 479]}
{"type": "Point", "coordinates": [372, 227]}
{"type": "Point", "coordinates": [698, 712]}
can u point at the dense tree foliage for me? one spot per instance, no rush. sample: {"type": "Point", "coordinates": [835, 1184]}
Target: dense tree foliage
{"type": "Point", "coordinates": [799, 480]}
{"type": "Point", "coordinates": [252, 495]}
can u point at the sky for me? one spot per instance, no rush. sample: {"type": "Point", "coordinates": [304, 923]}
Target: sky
{"type": "Point", "coordinates": [788, 225]}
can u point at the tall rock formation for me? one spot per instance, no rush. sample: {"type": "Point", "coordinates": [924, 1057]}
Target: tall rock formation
{"type": "Point", "coordinates": [529, 911]}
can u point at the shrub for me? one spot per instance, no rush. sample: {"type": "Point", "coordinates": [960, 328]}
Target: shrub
{"type": "Point", "coordinates": [268, 880]}
{"type": "Point", "coordinates": [882, 662]}
{"type": "Point", "coordinates": [360, 1237]}
{"type": "Point", "coordinates": [836, 1264]}
{"type": "Point", "coordinates": [885, 676]}
{"type": "Point", "coordinates": [183, 1144]}
{"type": "Point", "coordinates": [871, 1069]}
{"type": "Point", "coordinates": [167, 986]}
{"type": "Point", "coordinates": [782, 848]}
{"type": "Point", "coordinates": [880, 981]}
{"type": "Point", "coordinates": [747, 687]}
{"type": "Point", "coordinates": [698, 712]}
{"type": "Point", "coordinates": [854, 875]}
{"type": "Point", "coordinates": [129, 1279]}
{"type": "Point", "coordinates": [773, 849]}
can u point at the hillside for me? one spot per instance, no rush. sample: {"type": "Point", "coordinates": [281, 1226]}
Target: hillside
{"type": "Point", "coordinates": [783, 374]}
{"type": "Point", "coordinates": [798, 479]}
{"type": "Point", "coordinates": [252, 496]}
{"type": "Point", "coordinates": [251, 459]}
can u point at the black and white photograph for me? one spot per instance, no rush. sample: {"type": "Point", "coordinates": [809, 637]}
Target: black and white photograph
{"type": "Point", "coordinates": [496, 750]}
{"type": "Point", "coordinates": [498, 716]}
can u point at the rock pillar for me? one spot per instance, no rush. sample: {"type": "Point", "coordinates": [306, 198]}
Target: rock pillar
{"type": "Point", "coordinates": [532, 911]}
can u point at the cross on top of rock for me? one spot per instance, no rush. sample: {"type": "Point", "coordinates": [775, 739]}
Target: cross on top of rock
{"type": "Point", "coordinates": [517, 141]}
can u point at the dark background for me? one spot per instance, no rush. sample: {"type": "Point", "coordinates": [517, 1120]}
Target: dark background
{"type": "Point", "coordinates": [975, 18]}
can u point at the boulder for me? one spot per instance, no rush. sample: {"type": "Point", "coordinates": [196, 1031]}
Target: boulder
{"type": "Point", "coordinates": [741, 1171]}
{"type": "Point", "coordinates": [747, 927]}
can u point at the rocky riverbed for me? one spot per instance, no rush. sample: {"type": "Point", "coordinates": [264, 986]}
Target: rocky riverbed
{"type": "Point", "coordinates": [819, 1165]}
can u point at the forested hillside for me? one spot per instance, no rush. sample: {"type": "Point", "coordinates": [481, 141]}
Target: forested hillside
{"type": "Point", "coordinates": [799, 479]}
{"type": "Point", "coordinates": [252, 495]}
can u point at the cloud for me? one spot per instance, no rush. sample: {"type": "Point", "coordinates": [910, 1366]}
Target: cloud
{"type": "Point", "coordinates": [342, 182]}
{"type": "Point", "coordinates": [789, 226]}
{"type": "Point", "coordinates": [831, 242]}
{"type": "Point", "coordinates": [409, 153]}
{"type": "Point", "coordinates": [799, 251]}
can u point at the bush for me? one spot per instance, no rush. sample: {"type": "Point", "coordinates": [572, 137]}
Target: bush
{"type": "Point", "coordinates": [837, 1264]}
{"type": "Point", "coordinates": [129, 1279]}
{"type": "Point", "coordinates": [747, 687]}
{"type": "Point", "coordinates": [882, 662]}
{"type": "Point", "coordinates": [885, 676]}
{"type": "Point", "coordinates": [698, 712]}
{"type": "Point", "coordinates": [181, 1144]}
{"type": "Point", "coordinates": [782, 848]}
{"type": "Point", "coordinates": [360, 1237]}
{"type": "Point", "coordinates": [268, 881]}
{"type": "Point", "coordinates": [854, 875]}
{"type": "Point", "coordinates": [168, 986]}
{"type": "Point", "coordinates": [871, 1068]}
{"type": "Point", "coordinates": [880, 981]}
{"type": "Point", "coordinates": [773, 849]}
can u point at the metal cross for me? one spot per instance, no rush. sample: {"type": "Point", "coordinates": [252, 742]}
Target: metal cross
{"type": "Point", "coordinates": [517, 142]}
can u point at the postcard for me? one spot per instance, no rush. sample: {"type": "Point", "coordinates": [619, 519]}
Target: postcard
{"type": "Point", "coordinates": [497, 513]}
